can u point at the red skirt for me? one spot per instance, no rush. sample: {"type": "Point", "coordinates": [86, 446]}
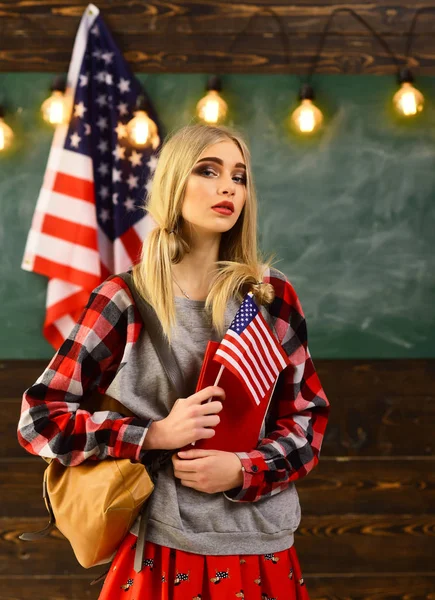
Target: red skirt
{"type": "Point", "coordinates": [170, 574]}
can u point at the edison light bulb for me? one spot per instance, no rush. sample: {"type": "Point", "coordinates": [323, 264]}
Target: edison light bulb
{"type": "Point", "coordinates": [408, 100]}
{"type": "Point", "coordinates": [142, 131]}
{"type": "Point", "coordinates": [54, 109]}
{"type": "Point", "coordinates": [307, 118]}
{"type": "Point", "coordinates": [212, 108]}
{"type": "Point", "coordinates": [6, 135]}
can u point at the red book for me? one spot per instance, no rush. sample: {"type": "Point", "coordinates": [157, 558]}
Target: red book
{"type": "Point", "coordinates": [241, 421]}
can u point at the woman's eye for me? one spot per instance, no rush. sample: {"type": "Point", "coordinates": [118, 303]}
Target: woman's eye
{"type": "Point", "coordinates": [208, 172]}
{"type": "Point", "coordinates": [240, 179]}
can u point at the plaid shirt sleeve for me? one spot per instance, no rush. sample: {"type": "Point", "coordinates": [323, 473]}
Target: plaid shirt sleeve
{"type": "Point", "coordinates": [301, 408]}
{"type": "Point", "coordinates": [52, 424]}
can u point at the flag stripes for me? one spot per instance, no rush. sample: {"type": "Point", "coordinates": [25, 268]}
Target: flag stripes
{"type": "Point", "coordinates": [251, 352]}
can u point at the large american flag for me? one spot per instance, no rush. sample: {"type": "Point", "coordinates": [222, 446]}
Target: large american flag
{"type": "Point", "coordinates": [88, 222]}
{"type": "Point", "coordinates": [251, 352]}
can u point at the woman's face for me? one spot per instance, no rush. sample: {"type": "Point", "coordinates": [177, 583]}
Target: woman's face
{"type": "Point", "coordinates": [218, 178]}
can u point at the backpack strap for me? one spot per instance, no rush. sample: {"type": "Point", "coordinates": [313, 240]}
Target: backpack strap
{"type": "Point", "coordinates": [155, 331]}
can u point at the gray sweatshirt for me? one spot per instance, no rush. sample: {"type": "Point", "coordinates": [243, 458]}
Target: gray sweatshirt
{"type": "Point", "coordinates": [181, 517]}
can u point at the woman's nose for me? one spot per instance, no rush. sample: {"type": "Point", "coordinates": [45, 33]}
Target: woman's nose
{"type": "Point", "coordinates": [228, 188]}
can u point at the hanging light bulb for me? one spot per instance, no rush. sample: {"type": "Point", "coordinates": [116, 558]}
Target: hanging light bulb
{"type": "Point", "coordinates": [212, 108]}
{"type": "Point", "coordinates": [307, 118]}
{"type": "Point", "coordinates": [54, 109]}
{"type": "Point", "coordinates": [141, 130]}
{"type": "Point", "coordinates": [6, 133]}
{"type": "Point", "coordinates": [408, 101]}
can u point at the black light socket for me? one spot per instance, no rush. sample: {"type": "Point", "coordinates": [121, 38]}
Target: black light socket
{"type": "Point", "coordinates": [59, 84]}
{"type": "Point", "coordinates": [214, 83]}
{"type": "Point", "coordinates": [141, 103]}
{"type": "Point", "coordinates": [306, 92]}
{"type": "Point", "coordinates": [405, 76]}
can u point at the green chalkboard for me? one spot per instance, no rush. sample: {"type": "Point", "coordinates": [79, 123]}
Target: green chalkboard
{"type": "Point", "coordinates": [351, 215]}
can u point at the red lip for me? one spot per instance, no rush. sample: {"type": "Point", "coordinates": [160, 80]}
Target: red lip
{"type": "Point", "coordinates": [225, 204]}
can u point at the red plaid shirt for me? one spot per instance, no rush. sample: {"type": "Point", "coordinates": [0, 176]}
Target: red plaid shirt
{"type": "Point", "coordinates": [53, 425]}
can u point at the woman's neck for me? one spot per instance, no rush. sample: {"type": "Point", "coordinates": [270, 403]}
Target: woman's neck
{"type": "Point", "coordinates": [195, 272]}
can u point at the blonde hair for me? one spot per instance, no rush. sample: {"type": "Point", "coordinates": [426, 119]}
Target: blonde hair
{"type": "Point", "coordinates": [239, 268]}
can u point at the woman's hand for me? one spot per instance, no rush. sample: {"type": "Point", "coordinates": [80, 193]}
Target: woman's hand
{"type": "Point", "coordinates": [208, 471]}
{"type": "Point", "coordinates": [190, 419]}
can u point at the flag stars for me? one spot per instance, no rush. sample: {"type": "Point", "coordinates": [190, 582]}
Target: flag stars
{"type": "Point", "coordinates": [152, 163]}
{"type": "Point", "coordinates": [129, 204]}
{"type": "Point", "coordinates": [103, 146]}
{"type": "Point", "coordinates": [101, 100]}
{"type": "Point", "coordinates": [119, 152]}
{"type": "Point", "coordinates": [132, 182]}
{"type": "Point", "coordinates": [103, 169]}
{"type": "Point", "coordinates": [79, 110]}
{"type": "Point", "coordinates": [97, 54]}
{"type": "Point", "coordinates": [104, 215]}
{"type": "Point", "coordinates": [115, 199]}
{"type": "Point", "coordinates": [121, 131]}
{"type": "Point", "coordinates": [87, 129]}
{"type": "Point", "coordinates": [100, 76]}
{"type": "Point", "coordinates": [75, 140]}
{"type": "Point", "coordinates": [108, 79]}
{"type": "Point", "coordinates": [107, 57]}
{"type": "Point", "coordinates": [95, 31]}
{"type": "Point", "coordinates": [116, 175]}
{"type": "Point", "coordinates": [124, 85]}
{"type": "Point", "coordinates": [84, 80]}
{"type": "Point", "coordinates": [122, 108]}
{"type": "Point", "coordinates": [104, 192]}
{"type": "Point", "coordinates": [102, 123]}
{"type": "Point", "coordinates": [135, 158]}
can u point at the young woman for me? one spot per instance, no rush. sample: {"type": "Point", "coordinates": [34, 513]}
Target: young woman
{"type": "Point", "coordinates": [221, 524]}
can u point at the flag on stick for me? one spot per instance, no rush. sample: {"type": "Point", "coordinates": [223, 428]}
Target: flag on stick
{"type": "Point", "coordinates": [250, 350]}
{"type": "Point", "coordinates": [88, 222]}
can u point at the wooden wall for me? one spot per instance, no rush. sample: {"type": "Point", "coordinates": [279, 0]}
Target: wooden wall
{"type": "Point", "coordinates": [204, 36]}
{"type": "Point", "coordinates": [368, 522]}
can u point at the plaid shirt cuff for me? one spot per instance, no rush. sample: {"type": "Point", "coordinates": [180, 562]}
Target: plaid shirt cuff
{"type": "Point", "coordinates": [129, 440]}
{"type": "Point", "coordinates": [253, 468]}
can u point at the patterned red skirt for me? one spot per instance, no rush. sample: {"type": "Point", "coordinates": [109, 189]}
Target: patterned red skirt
{"type": "Point", "coordinates": [170, 574]}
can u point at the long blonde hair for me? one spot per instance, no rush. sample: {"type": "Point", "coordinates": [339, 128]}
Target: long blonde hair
{"type": "Point", "coordinates": [239, 268]}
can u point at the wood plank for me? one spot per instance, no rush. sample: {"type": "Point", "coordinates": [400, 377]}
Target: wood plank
{"type": "Point", "coordinates": [320, 587]}
{"type": "Point", "coordinates": [376, 378]}
{"type": "Point", "coordinates": [10, 448]}
{"type": "Point", "coordinates": [376, 486]}
{"type": "Point", "coordinates": [331, 544]}
{"type": "Point", "coordinates": [18, 375]}
{"type": "Point", "coordinates": [200, 17]}
{"type": "Point", "coordinates": [48, 588]}
{"type": "Point", "coordinates": [366, 543]}
{"type": "Point", "coordinates": [380, 426]}
{"type": "Point", "coordinates": [209, 53]}
{"type": "Point", "coordinates": [38, 36]}
{"type": "Point", "coordinates": [367, 587]}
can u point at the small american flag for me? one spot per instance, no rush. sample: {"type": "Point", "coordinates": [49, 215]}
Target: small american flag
{"type": "Point", "coordinates": [251, 352]}
{"type": "Point", "coordinates": [88, 222]}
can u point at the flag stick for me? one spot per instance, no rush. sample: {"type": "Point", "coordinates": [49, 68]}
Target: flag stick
{"type": "Point", "coordinates": [217, 378]}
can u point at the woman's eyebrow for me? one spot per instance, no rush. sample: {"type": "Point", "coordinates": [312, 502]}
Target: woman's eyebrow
{"type": "Point", "coordinates": [219, 161]}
